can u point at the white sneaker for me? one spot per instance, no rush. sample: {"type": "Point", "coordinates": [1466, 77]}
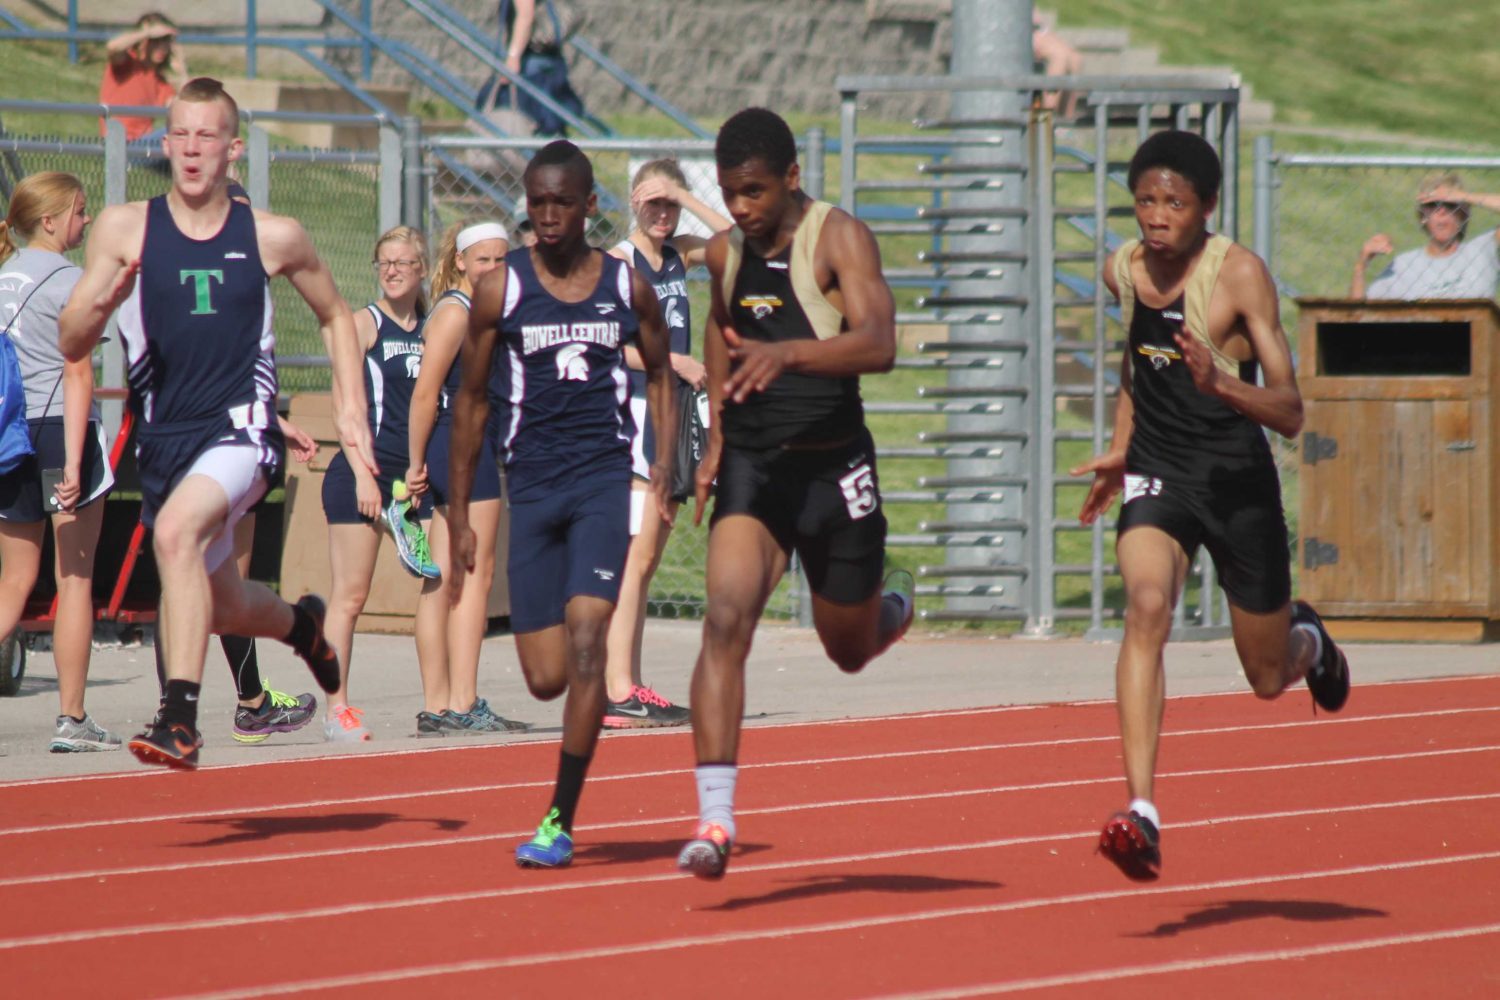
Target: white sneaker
{"type": "Point", "coordinates": [78, 737]}
{"type": "Point", "coordinates": [346, 726]}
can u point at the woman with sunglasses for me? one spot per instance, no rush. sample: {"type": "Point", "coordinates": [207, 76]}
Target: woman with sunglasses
{"type": "Point", "coordinates": [1449, 266]}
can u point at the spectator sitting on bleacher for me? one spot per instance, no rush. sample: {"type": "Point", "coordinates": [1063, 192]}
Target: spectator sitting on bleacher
{"type": "Point", "coordinates": [1448, 267]}
{"type": "Point", "coordinates": [143, 65]}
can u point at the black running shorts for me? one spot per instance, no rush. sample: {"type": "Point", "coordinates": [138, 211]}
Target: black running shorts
{"type": "Point", "coordinates": [1242, 526]}
{"type": "Point", "coordinates": [822, 504]}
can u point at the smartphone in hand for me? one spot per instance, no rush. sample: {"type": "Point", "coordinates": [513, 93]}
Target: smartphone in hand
{"type": "Point", "coordinates": [51, 480]}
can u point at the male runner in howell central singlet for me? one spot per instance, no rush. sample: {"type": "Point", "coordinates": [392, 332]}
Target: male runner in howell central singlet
{"type": "Point", "coordinates": [559, 313]}
{"type": "Point", "coordinates": [189, 272]}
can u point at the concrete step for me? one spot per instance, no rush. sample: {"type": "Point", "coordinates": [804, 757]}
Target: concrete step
{"type": "Point", "coordinates": [280, 95]}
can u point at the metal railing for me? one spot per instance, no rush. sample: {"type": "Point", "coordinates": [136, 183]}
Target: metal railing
{"type": "Point", "coordinates": [1010, 232]}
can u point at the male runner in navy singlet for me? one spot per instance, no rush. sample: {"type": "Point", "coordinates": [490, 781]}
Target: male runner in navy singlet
{"type": "Point", "coordinates": [559, 315]}
{"type": "Point", "coordinates": [188, 272]}
{"type": "Point", "coordinates": [800, 309]}
{"type": "Point", "coordinates": [1191, 456]}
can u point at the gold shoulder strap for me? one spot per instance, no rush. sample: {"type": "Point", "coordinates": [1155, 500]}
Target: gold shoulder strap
{"type": "Point", "coordinates": [1200, 290]}
{"type": "Point", "coordinates": [732, 257]}
{"type": "Point", "coordinates": [1125, 282]}
{"type": "Point", "coordinates": [824, 317]}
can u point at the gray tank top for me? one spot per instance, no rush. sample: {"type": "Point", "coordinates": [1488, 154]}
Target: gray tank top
{"type": "Point", "coordinates": [48, 279]}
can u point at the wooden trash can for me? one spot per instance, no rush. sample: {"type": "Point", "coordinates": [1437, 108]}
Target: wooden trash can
{"type": "Point", "coordinates": [1398, 515]}
{"type": "Point", "coordinates": [392, 604]}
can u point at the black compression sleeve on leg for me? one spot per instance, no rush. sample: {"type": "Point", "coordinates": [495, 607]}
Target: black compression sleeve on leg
{"type": "Point", "coordinates": [161, 664]}
{"type": "Point", "coordinates": [239, 650]}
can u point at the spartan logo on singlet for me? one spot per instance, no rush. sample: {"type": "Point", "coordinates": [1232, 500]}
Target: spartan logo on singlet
{"type": "Point", "coordinates": [413, 365]}
{"type": "Point", "coordinates": [203, 281]}
{"type": "Point", "coordinates": [572, 363]}
{"type": "Point", "coordinates": [761, 306]}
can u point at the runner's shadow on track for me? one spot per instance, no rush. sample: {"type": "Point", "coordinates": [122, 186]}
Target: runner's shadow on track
{"type": "Point", "coordinates": [253, 828]}
{"type": "Point", "coordinates": [645, 850]}
{"type": "Point", "coordinates": [1237, 910]}
{"type": "Point", "coordinates": [829, 885]}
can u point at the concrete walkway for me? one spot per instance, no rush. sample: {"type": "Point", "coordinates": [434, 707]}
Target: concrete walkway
{"type": "Point", "coordinates": [789, 680]}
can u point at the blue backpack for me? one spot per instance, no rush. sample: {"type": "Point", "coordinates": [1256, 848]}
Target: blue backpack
{"type": "Point", "coordinates": [15, 432]}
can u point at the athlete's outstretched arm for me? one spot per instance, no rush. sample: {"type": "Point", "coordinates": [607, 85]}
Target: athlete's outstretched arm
{"type": "Point", "coordinates": [716, 364]}
{"type": "Point", "coordinates": [442, 338]}
{"type": "Point", "coordinates": [286, 249]}
{"type": "Point", "coordinates": [661, 395]}
{"type": "Point", "coordinates": [470, 411]}
{"type": "Point", "coordinates": [1277, 404]}
{"type": "Point", "coordinates": [111, 259]}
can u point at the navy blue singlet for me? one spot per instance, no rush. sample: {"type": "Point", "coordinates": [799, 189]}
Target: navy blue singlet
{"type": "Point", "coordinates": [562, 373]}
{"type": "Point", "coordinates": [200, 348]}
{"type": "Point", "coordinates": [391, 367]}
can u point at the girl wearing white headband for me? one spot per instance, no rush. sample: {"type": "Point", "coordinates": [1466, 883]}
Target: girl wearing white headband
{"type": "Point", "coordinates": [657, 197]}
{"type": "Point", "coordinates": [450, 674]}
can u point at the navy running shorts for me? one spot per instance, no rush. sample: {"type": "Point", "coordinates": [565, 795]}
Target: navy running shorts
{"type": "Point", "coordinates": [165, 453]}
{"type": "Point", "coordinates": [21, 499]}
{"type": "Point", "coordinates": [823, 504]}
{"type": "Point", "coordinates": [340, 506]}
{"type": "Point", "coordinates": [1242, 527]}
{"type": "Point", "coordinates": [566, 544]}
{"type": "Point", "coordinates": [439, 475]}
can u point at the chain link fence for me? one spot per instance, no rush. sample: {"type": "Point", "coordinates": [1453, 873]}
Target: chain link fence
{"type": "Point", "coordinates": [1403, 227]}
{"type": "Point", "coordinates": [1399, 225]}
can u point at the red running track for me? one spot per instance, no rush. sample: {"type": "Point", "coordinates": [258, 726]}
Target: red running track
{"type": "Point", "coordinates": [941, 855]}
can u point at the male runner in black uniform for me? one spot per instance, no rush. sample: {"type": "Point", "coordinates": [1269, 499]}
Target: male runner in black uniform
{"type": "Point", "coordinates": [800, 310]}
{"type": "Point", "coordinates": [1192, 458]}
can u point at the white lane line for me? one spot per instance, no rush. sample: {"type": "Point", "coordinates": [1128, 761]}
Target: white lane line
{"type": "Point", "coordinates": [1199, 964]}
{"type": "Point", "coordinates": [260, 810]}
{"type": "Point", "coordinates": [829, 927]}
{"type": "Point", "coordinates": [684, 819]}
{"type": "Point", "coordinates": [480, 895]}
{"type": "Point", "coordinates": [749, 723]}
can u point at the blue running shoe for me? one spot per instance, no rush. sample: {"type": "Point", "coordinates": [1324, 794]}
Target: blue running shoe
{"type": "Point", "coordinates": [550, 848]}
{"type": "Point", "coordinates": [411, 540]}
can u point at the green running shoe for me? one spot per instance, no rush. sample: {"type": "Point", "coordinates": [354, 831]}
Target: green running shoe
{"type": "Point", "coordinates": [411, 540]}
{"type": "Point", "coordinates": [550, 848]}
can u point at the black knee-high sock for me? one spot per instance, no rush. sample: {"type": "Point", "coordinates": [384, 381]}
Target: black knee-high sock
{"type": "Point", "coordinates": [239, 650]}
{"type": "Point", "coordinates": [571, 769]}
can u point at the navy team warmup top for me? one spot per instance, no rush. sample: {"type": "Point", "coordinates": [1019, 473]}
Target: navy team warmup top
{"type": "Point", "coordinates": [561, 370]}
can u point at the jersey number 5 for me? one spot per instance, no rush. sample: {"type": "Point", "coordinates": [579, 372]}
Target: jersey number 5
{"type": "Point", "coordinates": [859, 492]}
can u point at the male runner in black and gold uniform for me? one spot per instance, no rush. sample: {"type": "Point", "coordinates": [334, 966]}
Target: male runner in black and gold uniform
{"type": "Point", "coordinates": [800, 310]}
{"type": "Point", "coordinates": [1191, 455]}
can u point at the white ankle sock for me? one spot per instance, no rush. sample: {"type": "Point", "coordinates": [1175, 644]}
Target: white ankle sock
{"type": "Point", "coordinates": [1317, 640]}
{"type": "Point", "coordinates": [1145, 809]}
{"type": "Point", "coordinates": [716, 794]}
